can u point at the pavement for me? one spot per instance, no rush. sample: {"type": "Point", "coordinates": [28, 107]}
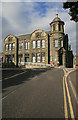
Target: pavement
{"type": "Point", "coordinates": [38, 93]}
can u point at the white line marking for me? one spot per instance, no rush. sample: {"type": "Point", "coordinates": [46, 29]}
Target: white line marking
{"type": "Point", "coordinates": [15, 75]}
{"type": "Point", "coordinates": [7, 95]}
{"type": "Point", "coordinates": [74, 91]}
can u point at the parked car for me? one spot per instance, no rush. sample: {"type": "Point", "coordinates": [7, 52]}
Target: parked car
{"type": "Point", "coordinates": [76, 66]}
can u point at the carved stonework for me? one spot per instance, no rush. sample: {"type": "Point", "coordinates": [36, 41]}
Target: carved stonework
{"type": "Point", "coordinates": [38, 34]}
{"type": "Point", "coordinates": [10, 39]}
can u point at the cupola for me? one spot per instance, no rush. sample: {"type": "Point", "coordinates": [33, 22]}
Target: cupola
{"type": "Point", "coordinates": [57, 25]}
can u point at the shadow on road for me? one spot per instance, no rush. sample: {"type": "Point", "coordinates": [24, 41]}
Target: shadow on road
{"type": "Point", "coordinates": [20, 78]}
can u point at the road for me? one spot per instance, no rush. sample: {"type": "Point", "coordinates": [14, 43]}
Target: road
{"type": "Point", "coordinates": [37, 93]}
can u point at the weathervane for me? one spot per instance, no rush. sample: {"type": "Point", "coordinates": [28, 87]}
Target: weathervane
{"type": "Point", "coordinates": [56, 9]}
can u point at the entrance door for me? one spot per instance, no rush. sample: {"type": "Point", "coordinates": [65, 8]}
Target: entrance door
{"type": "Point", "coordinates": [61, 59]}
{"type": "Point", "coordinates": [26, 59]}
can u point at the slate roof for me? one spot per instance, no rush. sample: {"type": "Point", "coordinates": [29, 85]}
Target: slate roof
{"type": "Point", "coordinates": [28, 36]}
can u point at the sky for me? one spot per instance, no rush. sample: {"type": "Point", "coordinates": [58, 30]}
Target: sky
{"type": "Point", "coordinates": [20, 18]}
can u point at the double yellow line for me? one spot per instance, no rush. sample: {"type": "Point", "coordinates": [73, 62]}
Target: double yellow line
{"type": "Point", "coordinates": [66, 90]}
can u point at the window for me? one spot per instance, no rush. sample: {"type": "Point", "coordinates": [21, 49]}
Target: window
{"type": "Point", "coordinates": [20, 58]}
{"type": "Point", "coordinates": [38, 44]}
{"type": "Point", "coordinates": [13, 59]}
{"type": "Point", "coordinates": [59, 27]}
{"type": "Point", "coordinates": [43, 57]}
{"type": "Point", "coordinates": [13, 46]}
{"type": "Point", "coordinates": [27, 57]}
{"type": "Point", "coordinates": [28, 45]}
{"type": "Point", "coordinates": [33, 44]}
{"type": "Point", "coordinates": [38, 57]}
{"type": "Point", "coordinates": [56, 27]}
{"type": "Point", "coordinates": [6, 59]}
{"type": "Point", "coordinates": [53, 27]}
{"type": "Point", "coordinates": [6, 47]}
{"type": "Point", "coordinates": [50, 58]}
{"type": "Point", "coordinates": [20, 46]}
{"type": "Point", "coordinates": [9, 46]}
{"type": "Point", "coordinates": [33, 57]}
{"type": "Point", "coordinates": [56, 43]}
{"type": "Point", "coordinates": [43, 43]}
{"type": "Point", "coordinates": [61, 43]}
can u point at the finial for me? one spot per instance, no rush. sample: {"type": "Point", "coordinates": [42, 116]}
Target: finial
{"type": "Point", "coordinates": [56, 12]}
{"type": "Point", "coordinates": [56, 15]}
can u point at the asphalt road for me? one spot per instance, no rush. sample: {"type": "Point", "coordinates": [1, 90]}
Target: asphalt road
{"type": "Point", "coordinates": [37, 93]}
{"type": "Point", "coordinates": [73, 87]}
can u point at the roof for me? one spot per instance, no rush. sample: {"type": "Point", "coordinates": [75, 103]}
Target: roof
{"type": "Point", "coordinates": [48, 32]}
{"type": "Point", "coordinates": [56, 19]}
{"type": "Point", "coordinates": [24, 37]}
{"type": "Point", "coordinates": [28, 36]}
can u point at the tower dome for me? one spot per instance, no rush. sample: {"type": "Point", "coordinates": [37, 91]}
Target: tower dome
{"type": "Point", "coordinates": [56, 19]}
{"type": "Point", "coordinates": [57, 25]}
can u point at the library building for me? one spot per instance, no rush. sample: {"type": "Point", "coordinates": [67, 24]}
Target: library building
{"type": "Point", "coordinates": [40, 47]}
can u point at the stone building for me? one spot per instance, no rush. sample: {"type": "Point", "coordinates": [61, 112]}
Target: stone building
{"type": "Point", "coordinates": [75, 61]}
{"type": "Point", "coordinates": [49, 47]}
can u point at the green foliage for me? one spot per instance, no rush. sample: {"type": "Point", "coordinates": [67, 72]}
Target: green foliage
{"type": "Point", "coordinates": [73, 10]}
{"type": "Point", "coordinates": [8, 65]}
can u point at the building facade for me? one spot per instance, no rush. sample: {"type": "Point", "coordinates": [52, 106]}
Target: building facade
{"type": "Point", "coordinates": [48, 47]}
{"type": "Point", "coordinates": [75, 61]}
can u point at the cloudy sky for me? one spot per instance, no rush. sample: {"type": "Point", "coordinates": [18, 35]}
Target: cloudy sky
{"type": "Point", "coordinates": [24, 17]}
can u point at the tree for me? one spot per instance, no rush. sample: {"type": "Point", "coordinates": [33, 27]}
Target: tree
{"type": "Point", "coordinates": [73, 9]}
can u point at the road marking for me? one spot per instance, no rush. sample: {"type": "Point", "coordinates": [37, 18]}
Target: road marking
{"type": "Point", "coordinates": [68, 94]}
{"type": "Point", "coordinates": [15, 75]}
{"type": "Point", "coordinates": [64, 71]}
{"type": "Point", "coordinates": [65, 103]}
{"type": "Point", "coordinates": [7, 95]}
{"type": "Point", "coordinates": [74, 91]}
{"type": "Point", "coordinates": [69, 99]}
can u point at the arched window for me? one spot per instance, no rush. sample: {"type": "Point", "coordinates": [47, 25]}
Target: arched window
{"type": "Point", "coordinates": [61, 43]}
{"type": "Point", "coordinates": [53, 27]}
{"type": "Point", "coordinates": [43, 43]}
{"type": "Point", "coordinates": [33, 44]}
{"type": "Point", "coordinates": [59, 27]}
{"type": "Point", "coordinates": [13, 46]}
{"type": "Point", "coordinates": [38, 44]}
{"type": "Point", "coordinates": [9, 46]}
{"type": "Point", "coordinates": [56, 43]}
{"type": "Point", "coordinates": [6, 47]}
{"type": "Point", "coordinates": [33, 57]}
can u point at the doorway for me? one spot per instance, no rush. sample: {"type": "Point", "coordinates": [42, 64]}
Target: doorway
{"type": "Point", "coordinates": [27, 58]}
{"type": "Point", "coordinates": [61, 58]}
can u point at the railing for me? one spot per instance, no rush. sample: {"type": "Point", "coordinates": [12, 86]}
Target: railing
{"type": "Point", "coordinates": [35, 64]}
